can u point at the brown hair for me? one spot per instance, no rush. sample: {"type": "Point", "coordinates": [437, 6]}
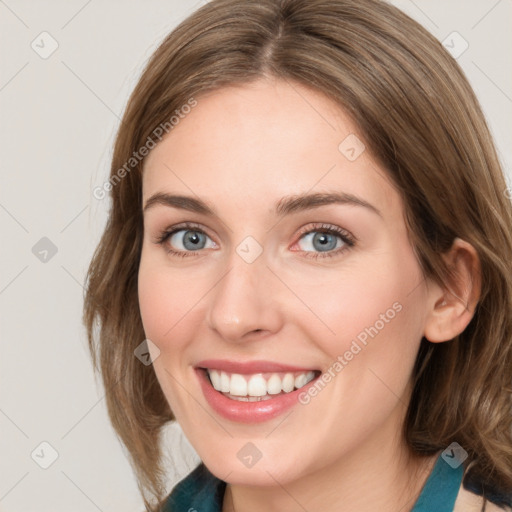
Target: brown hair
{"type": "Point", "coordinates": [421, 121]}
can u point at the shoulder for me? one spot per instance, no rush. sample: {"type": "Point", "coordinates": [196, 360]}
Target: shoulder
{"type": "Point", "coordinates": [468, 501]}
{"type": "Point", "coordinates": [485, 494]}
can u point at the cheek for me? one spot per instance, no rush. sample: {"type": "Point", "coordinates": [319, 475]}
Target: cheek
{"type": "Point", "coordinates": [166, 298]}
{"type": "Point", "coordinates": [376, 312]}
{"type": "Point", "coordinates": [153, 303]}
{"type": "Point", "coordinates": [166, 302]}
{"type": "Point", "coordinates": [378, 303]}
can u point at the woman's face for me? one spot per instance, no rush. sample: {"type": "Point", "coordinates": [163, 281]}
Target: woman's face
{"type": "Point", "coordinates": [295, 261]}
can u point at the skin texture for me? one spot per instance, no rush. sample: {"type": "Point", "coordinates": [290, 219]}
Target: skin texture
{"type": "Point", "coordinates": [242, 149]}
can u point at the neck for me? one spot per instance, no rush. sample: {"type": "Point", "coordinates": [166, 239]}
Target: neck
{"type": "Point", "coordinates": [381, 475]}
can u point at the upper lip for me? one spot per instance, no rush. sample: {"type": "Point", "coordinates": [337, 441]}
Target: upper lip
{"type": "Point", "coordinates": [247, 367]}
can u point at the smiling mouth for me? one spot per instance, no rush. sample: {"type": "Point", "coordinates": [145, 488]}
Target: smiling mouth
{"type": "Point", "coordinates": [257, 387]}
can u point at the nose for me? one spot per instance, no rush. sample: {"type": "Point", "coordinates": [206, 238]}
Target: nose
{"type": "Point", "coordinates": [243, 305]}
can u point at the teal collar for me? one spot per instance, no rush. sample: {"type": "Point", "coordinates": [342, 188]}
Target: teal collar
{"type": "Point", "coordinates": [441, 488]}
{"type": "Point", "coordinates": [203, 492]}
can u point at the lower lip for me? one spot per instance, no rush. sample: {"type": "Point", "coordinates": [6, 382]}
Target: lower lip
{"type": "Point", "coordinates": [247, 412]}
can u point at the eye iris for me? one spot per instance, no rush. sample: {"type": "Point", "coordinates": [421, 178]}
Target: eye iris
{"type": "Point", "coordinates": [194, 238]}
{"type": "Point", "coordinates": [327, 241]}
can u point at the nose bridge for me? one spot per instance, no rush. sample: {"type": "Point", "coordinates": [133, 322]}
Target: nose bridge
{"type": "Point", "coordinates": [241, 301]}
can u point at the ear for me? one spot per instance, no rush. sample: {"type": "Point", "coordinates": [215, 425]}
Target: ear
{"type": "Point", "coordinates": [451, 308]}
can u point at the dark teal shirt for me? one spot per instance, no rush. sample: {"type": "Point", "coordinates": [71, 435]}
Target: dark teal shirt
{"type": "Point", "coordinates": [201, 491]}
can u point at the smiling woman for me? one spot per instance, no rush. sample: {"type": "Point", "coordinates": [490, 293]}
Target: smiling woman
{"type": "Point", "coordinates": [318, 258]}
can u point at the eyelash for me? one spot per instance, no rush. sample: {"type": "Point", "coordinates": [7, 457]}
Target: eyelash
{"type": "Point", "coordinates": [348, 239]}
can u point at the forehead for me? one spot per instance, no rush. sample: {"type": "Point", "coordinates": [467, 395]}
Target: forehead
{"type": "Point", "coordinates": [250, 145]}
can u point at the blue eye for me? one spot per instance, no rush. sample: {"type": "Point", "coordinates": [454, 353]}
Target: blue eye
{"type": "Point", "coordinates": [321, 240]}
{"type": "Point", "coordinates": [325, 241]}
{"type": "Point", "coordinates": [184, 240]}
{"type": "Point", "coordinates": [188, 239]}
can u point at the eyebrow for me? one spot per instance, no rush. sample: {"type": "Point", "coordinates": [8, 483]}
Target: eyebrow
{"type": "Point", "coordinates": [285, 206]}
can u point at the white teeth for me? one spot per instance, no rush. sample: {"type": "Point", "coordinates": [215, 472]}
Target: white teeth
{"type": "Point", "coordinates": [301, 380]}
{"type": "Point", "coordinates": [288, 383]}
{"type": "Point", "coordinates": [256, 387]}
{"type": "Point", "coordinates": [274, 385]}
{"type": "Point", "coordinates": [215, 378]}
{"type": "Point", "coordinates": [238, 385]}
{"type": "Point", "coordinates": [224, 383]}
{"type": "Point", "coordinates": [250, 398]}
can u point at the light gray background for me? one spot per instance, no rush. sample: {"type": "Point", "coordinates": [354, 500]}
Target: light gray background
{"type": "Point", "coordinates": [58, 119]}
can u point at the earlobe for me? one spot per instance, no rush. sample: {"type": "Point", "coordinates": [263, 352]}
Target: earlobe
{"type": "Point", "coordinates": [452, 307]}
